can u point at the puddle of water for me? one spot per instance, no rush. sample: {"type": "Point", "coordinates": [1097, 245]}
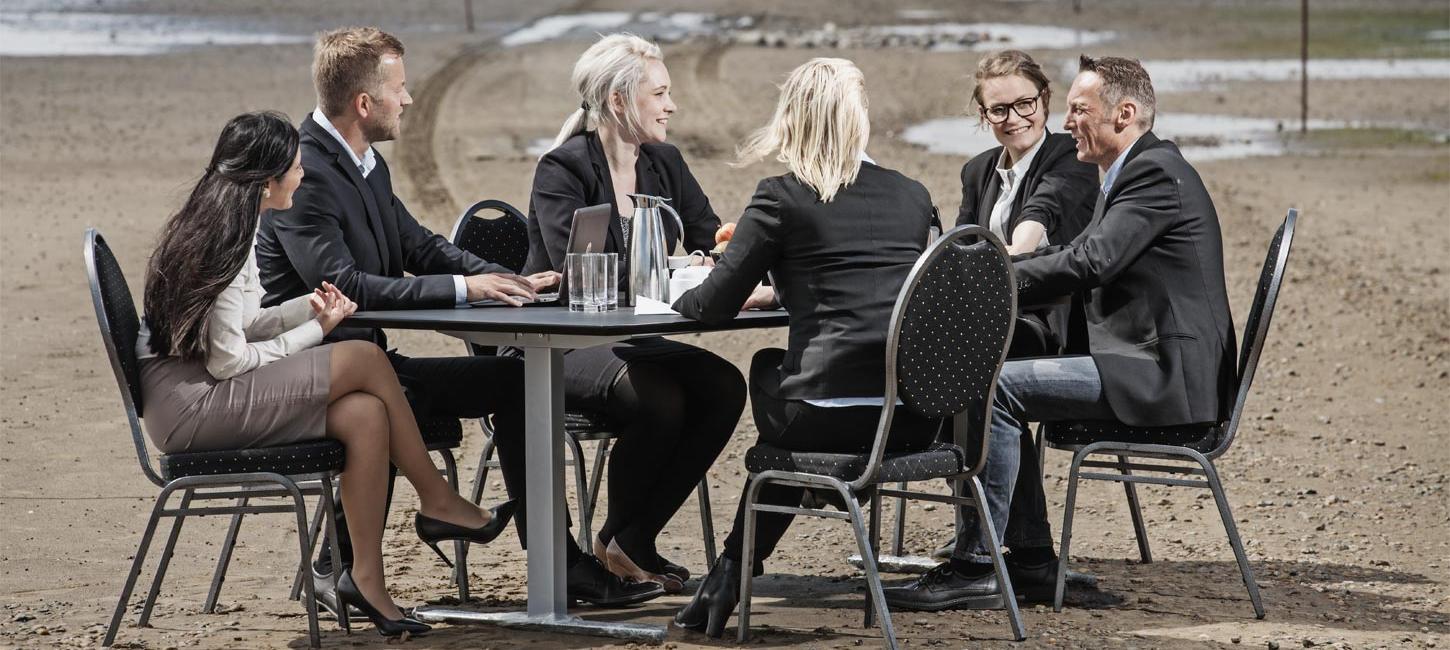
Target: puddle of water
{"type": "Point", "coordinates": [649, 24]}
{"type": "Point", "coordinates": [995, 36]}
{"type": "Point", "coordinates": [1178, 76]}
{"type": "Point", "coordinates": [1201, 137]}
{"type": "Point", "coordinates": [920, 14]}
{"type": "Point", "coordinates": [1438, 35]}
{"type": "Point", "coordinates": [50, 33]}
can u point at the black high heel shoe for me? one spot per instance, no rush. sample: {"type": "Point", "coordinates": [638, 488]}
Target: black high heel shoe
{"type": "Point", "coordinates": [348, 594]}
{"type": "Point", "coordinates": [712, 605]}
{"type": "Point", "coordinates": [432, 531]}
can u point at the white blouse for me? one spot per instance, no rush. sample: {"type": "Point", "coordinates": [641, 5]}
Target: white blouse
{"type": "Point", "coordinates": [241, 335]}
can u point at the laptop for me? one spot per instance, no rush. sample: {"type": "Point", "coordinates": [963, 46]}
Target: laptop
{"type": "Point", "coordinates": [588, 232]}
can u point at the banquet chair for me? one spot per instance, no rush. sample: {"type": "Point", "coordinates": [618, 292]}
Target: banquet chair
{"type": "Point", "coordinates": [948, 335]}
{"type": "Point", "coordinates": [504, 239]}
{"type": "Point", "coordinates": [288, 473]}
{"type": "Point", "coordinates": [1180, 450]}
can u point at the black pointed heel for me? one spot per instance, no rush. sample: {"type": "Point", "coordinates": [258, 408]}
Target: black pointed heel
{"type": "Point", "coordinates": [713, 604]}
{"type": "Point", "coordinates": [432, 531]}
{"type": "Point", "coordinates": [348, 594]}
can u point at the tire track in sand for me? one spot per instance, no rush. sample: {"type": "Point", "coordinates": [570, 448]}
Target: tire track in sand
{"type": "Point", "coordinates": [415, 151]}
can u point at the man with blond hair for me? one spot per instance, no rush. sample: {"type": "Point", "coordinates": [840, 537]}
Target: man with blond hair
{"type": "Point", "coordinates": [347, 227]}
{"type": "Point", "coordinates": [1149, 269]}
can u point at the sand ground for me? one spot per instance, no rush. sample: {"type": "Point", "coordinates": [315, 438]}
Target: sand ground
{"type": "Point", "coordinates": [1338, 482]}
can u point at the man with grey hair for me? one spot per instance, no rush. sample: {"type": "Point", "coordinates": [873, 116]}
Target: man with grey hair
{"type": "Point", "coordinates": [1148, 270]}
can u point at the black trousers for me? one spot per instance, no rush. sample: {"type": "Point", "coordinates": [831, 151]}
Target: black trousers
{"type": "Point", "coordinates": [799, 426]}
{"type": "Point", "coordinates": [462, 387]}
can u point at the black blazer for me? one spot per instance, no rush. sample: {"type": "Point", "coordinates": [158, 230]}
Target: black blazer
{"type": "Point", "coordinates": [356, 234]}
{"type": "Point", "coordinates": [1059, 192]}
{"type": "Point", "coordinates": [838, 268]}
{"type": "Point", "coordinates": [576, 175]}
{"type": "Point", "coordinates": [1151, 262]}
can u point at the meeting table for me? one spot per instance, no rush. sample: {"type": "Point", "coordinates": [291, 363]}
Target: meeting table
{"type": "Point", "coordinates": [544, 333]}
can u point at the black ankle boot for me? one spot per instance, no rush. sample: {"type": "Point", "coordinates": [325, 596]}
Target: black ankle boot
{"type": "Point", "coordinates": [712, 605]}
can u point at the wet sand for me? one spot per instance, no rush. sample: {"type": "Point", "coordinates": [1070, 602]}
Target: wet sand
{"type": "Point", "coordinates": [1338, 481]}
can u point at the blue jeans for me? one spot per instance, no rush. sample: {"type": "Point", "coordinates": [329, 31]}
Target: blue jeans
{"type": "Point", "coordinates": [1028, 390]}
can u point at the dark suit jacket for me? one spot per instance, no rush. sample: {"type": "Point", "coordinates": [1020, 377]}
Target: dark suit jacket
{"type": "Point", "coordinates": [1059, 192]}
{"type": "Point", "coordinates": [1151, 262]}
{"type": "Point", "coordinates": [838, 268]}
{"type": "Point", "coordinates": [354, 233]}
{"type": "Point", "coordinates": [576, 175]}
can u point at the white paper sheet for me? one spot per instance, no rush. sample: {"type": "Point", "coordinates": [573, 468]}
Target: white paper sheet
{"type": "Point", "coordinates": [650, 306]}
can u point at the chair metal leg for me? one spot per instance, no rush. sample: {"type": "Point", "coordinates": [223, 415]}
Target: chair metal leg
{"type": "Point", "coordinates": [327, 504]}
{"type": "Point", "coordinates": [1221, 500]}
{"type": "Point", "coordinates": [747, 559]}
{"type": "Point", "coordinates": [989, 534]}
{"type": "Point", "coordinates": [868, 562]}
{"type": "Point", "coordinates": [707, 523]}
{"type": "Point", "coordinates": [1065, 548]}
{"type": "Point", "coordinates": [481, 474]}
{"type": "Point", "coordinates": [141, 550]}
{"type": "Point", "coordinates": [1140, 531]}
{"type": "Point", "coordinates": [874, 540]}
{"type": "Point", "coordinates": [460, 547]}
{"type": "Point", "coordinates": [898, 535]}
{"type": "Point", "coordinates": [315, 533]}
{"type": "Point", "coordinates": [601, 455]}
{"type": "Point", "coordinates": [314, 636]}
{"type": "Point", "coordinates": [161, 566]}
{"type": "Point", "coordinates": [581, 486]}
{"type": "Point", "coordinates": [224, 559]}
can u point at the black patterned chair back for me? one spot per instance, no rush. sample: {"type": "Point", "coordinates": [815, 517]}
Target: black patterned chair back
{"type": "Point", "coordinates": [1256, 328]}
{"type": "Point", "coordinates": [951, 330]}
{"type": "Point", "coordinates": [501, 238]}
{"type": "Point", "coordinates": [120, 327]}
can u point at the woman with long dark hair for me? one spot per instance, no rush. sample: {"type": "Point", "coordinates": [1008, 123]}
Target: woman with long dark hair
{"type": "Point", "coordinates": [220, 372]}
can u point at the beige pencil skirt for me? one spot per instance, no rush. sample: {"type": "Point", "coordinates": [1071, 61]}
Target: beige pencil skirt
{"type": "Point", "coordinates": [187, 410]}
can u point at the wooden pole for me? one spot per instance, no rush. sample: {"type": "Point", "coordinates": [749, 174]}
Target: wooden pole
{"type": "Point", "coordinates": [468, 14]}
{"type": "Point", "coordinates": [1303, 66]}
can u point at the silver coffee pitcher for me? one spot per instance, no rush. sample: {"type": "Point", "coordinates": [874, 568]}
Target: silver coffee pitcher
{"type": "Point", "coordinates": [649, 265]}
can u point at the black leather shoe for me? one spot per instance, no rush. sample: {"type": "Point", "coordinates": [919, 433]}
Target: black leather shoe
{"type": "Point", "coordinates": [326, 594]}
{"type": "Point", "coordinates": [942, 588]}
{"type": "Point", "coordinates": [432, 531]}
{"type": "Point", "coordinates": [347, 592]}
{"type": "Point", "coordinates": [712, 605]}
{"type": "Point", "coordinates": [1037, 583]}
{"type": "Point", "coordinates": [674, 570]}
{"type": "Point", "coordinates": [590, 582]}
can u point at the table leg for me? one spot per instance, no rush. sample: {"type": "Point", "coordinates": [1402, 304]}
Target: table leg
{"type": "Point", "coordinates": [544, 461]}
{"type": "Point", "coordinates": [544, 457]}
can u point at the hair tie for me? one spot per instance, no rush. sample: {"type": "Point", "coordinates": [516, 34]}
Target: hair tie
{"type": "Point", "coordinates": [584, 106]}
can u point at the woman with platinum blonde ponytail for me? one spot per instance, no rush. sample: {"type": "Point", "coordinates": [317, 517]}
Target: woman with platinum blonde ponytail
{"type": "Point", "coordinates": [838, 234]}
{"type": "Point", "coordinates": [675, 405]}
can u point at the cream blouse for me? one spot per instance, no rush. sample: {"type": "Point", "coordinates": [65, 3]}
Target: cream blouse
{"type": "Point", "coordinates": [241, 335]}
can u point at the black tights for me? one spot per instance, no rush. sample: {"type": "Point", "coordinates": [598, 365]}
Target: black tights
{"type": "Point", "coordinates": [677, 413]}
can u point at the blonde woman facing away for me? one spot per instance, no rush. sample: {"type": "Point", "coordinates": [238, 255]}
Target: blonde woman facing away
{"type": "Point", "coordinates": [838, 234]}
{"type": "Point", "coordinates": [675, 404]}
{"type": "Point", "coordinates": [220, 372]}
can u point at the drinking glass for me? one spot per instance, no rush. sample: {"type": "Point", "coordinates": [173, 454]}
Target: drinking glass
{"type": "Point", "coordinates": [595, 282]}
{"type": "Point", "coordinates": [574, 276]}
{"type": "Point", "coordinates": [611, 281]}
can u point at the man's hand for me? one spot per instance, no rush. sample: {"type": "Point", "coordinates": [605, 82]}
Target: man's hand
{"type": "Point", "coordinates": [330, 306]}
{"type": "Point", "coordinates": [762, 297]}
{"type": "Point", "coordinates": [544, 280]}
{"type": "Point", "coordinates": [503, 287]}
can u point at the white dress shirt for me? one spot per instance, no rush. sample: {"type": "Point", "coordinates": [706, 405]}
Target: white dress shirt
{"type": "Point", "coordinates": [241, 335]}
{"type": "Point", "coordinates": [365, 166]}
{"type": "Point", "coordinates": [1012, 185]}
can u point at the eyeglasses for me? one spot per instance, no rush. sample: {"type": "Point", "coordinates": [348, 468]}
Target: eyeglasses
{"type": "Point", "coordinates": [1022, 107]}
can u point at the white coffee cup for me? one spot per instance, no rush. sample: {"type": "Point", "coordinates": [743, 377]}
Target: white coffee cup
{"type": "Point", "coordinates": [687, 278]}
{"type": "Point", "coordinates": [682, 261]}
